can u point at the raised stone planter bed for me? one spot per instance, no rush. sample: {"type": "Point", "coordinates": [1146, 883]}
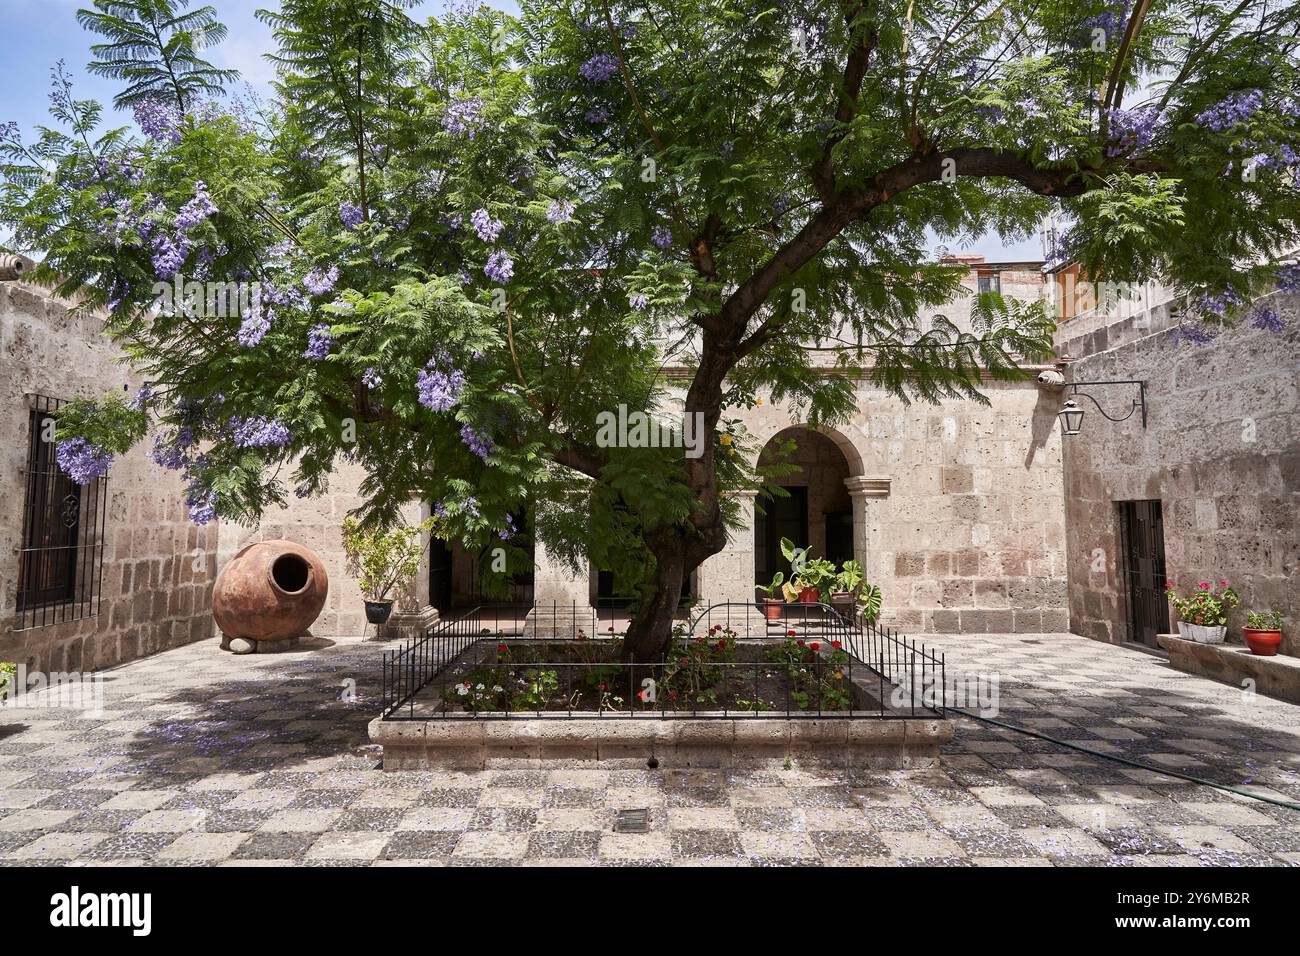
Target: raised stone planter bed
{"type": "Point", "coordinates": [734, 693]}
{"type": "Point", "coordinates": [1277, 676]}
{"type": "Point", "coordinates": [465, 742]}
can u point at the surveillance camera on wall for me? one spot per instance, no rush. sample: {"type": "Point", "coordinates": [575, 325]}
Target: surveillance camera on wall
{"type": "Point", "coordinates": [1051, 378]}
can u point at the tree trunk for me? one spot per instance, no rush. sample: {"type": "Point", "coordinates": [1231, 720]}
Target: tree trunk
{"type": "Point", "coordinates": [650, 631]}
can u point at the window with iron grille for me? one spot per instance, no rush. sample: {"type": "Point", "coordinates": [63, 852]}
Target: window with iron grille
{"type": "Point", "coordinates": [989, 282]}
{"type": "Point", "coordinates": [60, 566]}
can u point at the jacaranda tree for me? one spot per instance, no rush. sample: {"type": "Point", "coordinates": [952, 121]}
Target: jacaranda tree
{"type": "Point", "coordinates": [470, 237]}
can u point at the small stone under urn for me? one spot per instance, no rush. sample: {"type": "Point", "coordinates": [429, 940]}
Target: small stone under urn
{"type": "Point", "coordinates": [270, 591]}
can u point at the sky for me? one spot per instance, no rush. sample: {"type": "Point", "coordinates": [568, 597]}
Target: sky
{"type": "Point", "coordinates": [37, 33]}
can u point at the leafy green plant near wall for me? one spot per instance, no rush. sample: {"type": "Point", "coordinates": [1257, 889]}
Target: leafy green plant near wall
{"type": "Point", "coordinates": [7, 672]}
{"type": "Point", "coordinates": [383, 558]}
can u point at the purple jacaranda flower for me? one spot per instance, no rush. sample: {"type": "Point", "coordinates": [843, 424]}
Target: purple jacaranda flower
{"type": "Point", "coordinates": [662, 237]}
{"type": "Point", "coordinates": [202, 505]}
{"type": "Point", "coordinates": [371, 378]}
{"type": "Point", "coordinates": [197, 210]}
{"type": "Point", "coordinates": [1110, 22]}
{"type": "Point", "coordinates": [172, 452]}
{"type": "Point", "coordinates": [1132, 131]}
{"type": "Point", "coordinates": [599, 68]}
{"type": "Point", "coordinates": [1262, 317]}
{"type": "Point", "coordinates": [439, 510]}
{"type": "Point", "coordinates": [480, 445]}
{"type": "Point", "coordinates": [598, 114]}
{"type": "Point", "coordinates": [726, 148]}
{"type": "Point", "coordinates": [1193, 334]}
{"type": "Point", "coordinates": [82, 461]}
{"type": "Point", "coordinates": [488, 229]}
{"type": "Point", "coordinates": [321, 281]}
{"type": "Point", "coordinates": [158, 121]}
{"type": "Point", "coordinates": [560, 211]}
{"type": "Point", "coordinates": [463, 117]}
{"type": "Point", "coordinates": [256, 323]}
{"type": "Point", "coordinates": [319, 342]}
{"type": "Point", "coordinates": [169, 254]}
{"type": "Point", "coordinates": [639, 301]}
{"type": "Point", "coordinates": [508, 532]}
{"type": "Point", "coordinates": [350, 215]}
{"type": "Point", "coordinates": [258, 431]}
{"type": "Point", "coordinates": [1288, 279]}
{"type": "Point", "coordinates": [1231, 111]}
{"type": "Point", "coordinates": [143, 396]}
{"type": "Point", "coordinates": [440, 383]}
{"type": "Point", "coordinates": [499, 267]}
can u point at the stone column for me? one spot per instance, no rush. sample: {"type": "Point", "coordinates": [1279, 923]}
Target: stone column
{"type": "Point", "coordinates": [728, 576]}
{"type": "Point", "coordinates": [869, 496]}
{"type": "Point", "coordinates": [561, 599]}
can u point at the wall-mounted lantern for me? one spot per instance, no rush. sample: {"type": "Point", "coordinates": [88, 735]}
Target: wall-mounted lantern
{"type": "Point", "coordinates": [1071, 415]}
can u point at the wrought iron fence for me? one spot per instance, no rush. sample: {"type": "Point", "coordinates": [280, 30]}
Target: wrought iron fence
{"type": "Point", "coordinates": [884, 674]}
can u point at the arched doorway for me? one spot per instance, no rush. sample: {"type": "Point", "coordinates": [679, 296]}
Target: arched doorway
{"type": "Point", "coordinates": [816, 510]}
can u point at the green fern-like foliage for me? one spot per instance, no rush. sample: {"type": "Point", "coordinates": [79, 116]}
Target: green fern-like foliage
{"type": "Point", "coordinates": [153, 45]}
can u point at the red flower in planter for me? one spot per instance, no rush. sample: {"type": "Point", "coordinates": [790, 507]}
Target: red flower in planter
{"type": "Point", "coordinates": [1205, 584]}
{"type": "Point", "coordinates": [1199, 619]}
{"type": "Point", "coordinates": [815, 646]}
{"type": "Point", "coordinates": [602, 686]}
{"type": "Point", "coordinates": [611, 629]}
{"type": "Point", "coordinates": [501, 648]}
{"type": "Point", "coordinates": [800, 641]}
{"type": "Point", "coordinates": [685, 660]}
{"type": "Point", "coordinates": [789, 633]}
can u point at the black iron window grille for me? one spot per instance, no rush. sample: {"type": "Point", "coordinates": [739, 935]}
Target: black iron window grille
{"type": "Point", "coordinates": [61, 562]}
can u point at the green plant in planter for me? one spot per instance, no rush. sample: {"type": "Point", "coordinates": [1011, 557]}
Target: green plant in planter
{"type": "Point", "coordinates": [383, 558]}
{"type": "Point", "coordinates": [817, 573]}
{"type": "Point", "coordinates": [849, 579]}
{"type": "Point", "coordinates": [1207, 606]}
{"type": "Point", "coordinates": [869, 599]}
{"type": "Point", "coordinates": [7, 672]}
{"type": "Point", "coordinates": [775, 589]}
{"type": "Point", "coordinates": [1264, 620]}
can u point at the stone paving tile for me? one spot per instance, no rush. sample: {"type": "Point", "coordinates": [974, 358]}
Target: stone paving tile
{"type": "Point", "coordinates": [249, 761]}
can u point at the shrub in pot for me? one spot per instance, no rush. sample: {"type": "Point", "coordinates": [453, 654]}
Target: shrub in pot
{"type": "Point", "coordinates": [1263, 632]}
{"type": "Point", "coordinates": [1203, 614]}
{"type": "Point", "coordinates": [847, 583]}
{"type": "Point", "coordinates": [813, 578]}
{"type": "Point", "coordinates": [775, 596]}
{"type": "Point", "coordinates": [382, 558]}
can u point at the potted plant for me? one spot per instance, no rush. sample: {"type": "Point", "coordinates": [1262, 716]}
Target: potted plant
{"type": "Point", "coordinates": [775, 596]}
{"type": "Point", "coordinates": [382, 558]}
{"type": "Point", "coordinates": [846, 586]}
{"type": "Point", "coordinates": [812, 578]}
{"type": "Point", "coordinates": [1203, 615]}
{"type": "Point", "coordinates": [1263, 632]}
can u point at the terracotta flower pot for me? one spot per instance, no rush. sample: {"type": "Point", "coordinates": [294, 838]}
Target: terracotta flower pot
{"type": "Point", "coordinates": [772, 608]}
{"type": "Point", "coordinates": [1261, 642]}
{"type": "Point", "coordinates": [270, 591]}
{"type": "Point", "coordinates": [810, 595]}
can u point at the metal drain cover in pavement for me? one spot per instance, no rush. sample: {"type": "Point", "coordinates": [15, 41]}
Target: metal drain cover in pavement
{"type": "Point", "coordinates": [633, 821]}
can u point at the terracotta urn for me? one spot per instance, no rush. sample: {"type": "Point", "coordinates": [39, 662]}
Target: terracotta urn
{"type": "Point", "coordinates": [270, 591]}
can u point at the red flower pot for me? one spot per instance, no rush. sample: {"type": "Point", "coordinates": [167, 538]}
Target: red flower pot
{"type": "Point", "coordinates": [772, 608]}
{"type": "Point", "coordinates": [1262, 643]}
{"type": "Point", "coordinates": [810, 595]}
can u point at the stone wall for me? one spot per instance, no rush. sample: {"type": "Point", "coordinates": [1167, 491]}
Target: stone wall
{"type": "Point", "coordinates": [957, 510]}
{"type": "Point", "coordinates": [158, 569]}
{"type": "Point", "coordinates": [1221, 451]}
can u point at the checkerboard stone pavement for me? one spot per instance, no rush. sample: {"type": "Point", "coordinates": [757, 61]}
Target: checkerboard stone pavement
{"type": "Point", "coordinates": [204, 758]}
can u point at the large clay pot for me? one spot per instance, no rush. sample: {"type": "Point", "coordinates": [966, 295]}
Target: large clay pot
{"type": "Point", "coordinates": [1262, 642]}
{"type": "Point", "coordinates": [270, 591]}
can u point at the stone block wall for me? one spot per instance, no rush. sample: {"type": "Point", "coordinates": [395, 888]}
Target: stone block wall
{"type": "Point", "coordinates": [158, 570]}
{"type": "Point", "coordinates": [1221, 451]}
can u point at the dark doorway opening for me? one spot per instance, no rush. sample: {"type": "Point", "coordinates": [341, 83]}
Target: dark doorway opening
{"type": "Point", "coordinates": [440, 566]}
{"type": "Point", "coordinates": [1142, 526]}
{"type": "Point", "coordinates": [784, 517]}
